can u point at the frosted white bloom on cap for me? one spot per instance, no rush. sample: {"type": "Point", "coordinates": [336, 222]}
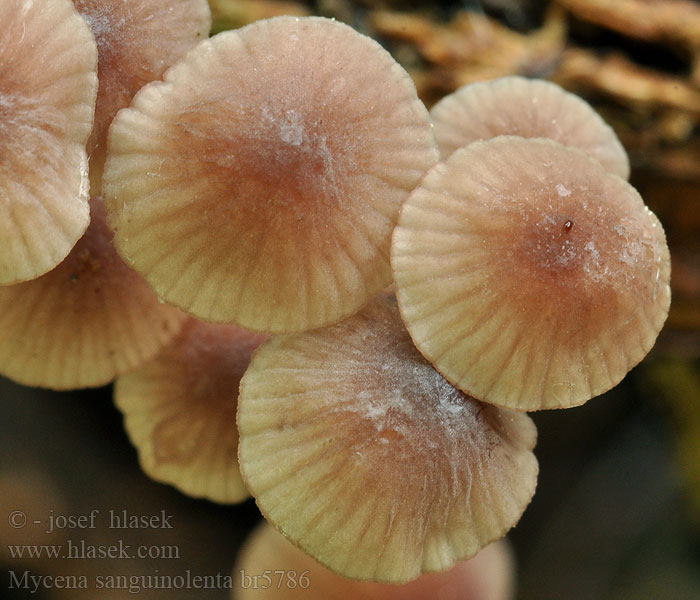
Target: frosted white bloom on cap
{"type": "Point", "coordinates": [261, 182]}
{"type": "Point", "coordinates": [528, 275]}
{"type": "Point", "coordinates": [361, 453]}
{"type": "Point", "coordinates": [137, 40]}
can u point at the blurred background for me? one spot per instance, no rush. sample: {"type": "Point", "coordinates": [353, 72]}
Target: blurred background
{"type": "Point", "coordinates": [617, 512]}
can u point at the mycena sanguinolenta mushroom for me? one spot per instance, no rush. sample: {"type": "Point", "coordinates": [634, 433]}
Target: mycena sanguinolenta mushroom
{"type": "Point", "coordinates": [260, 182]}
{"type": "Point", "coordinates": [85, 321]}
{"type": "Point", "coordinates": [528, 275]}
{"type": "Point", "coordinates": [361, 453]}
{"type": "Point", "coordinates": [527, 108]}
{"type": "Point", "coordinates": [137, 40]}
{"type": "Point", "coordinates": [180, 410]}
{"type": "Point", "coordinates": [48, 84]}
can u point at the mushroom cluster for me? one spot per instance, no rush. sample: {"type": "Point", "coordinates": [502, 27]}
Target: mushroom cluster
{"type": "Point", "coordinates": [272, 182]}
{"type": "Point", "coordinates": [529, 271]}
{"type": "Point", "coordinates": [87, 317]}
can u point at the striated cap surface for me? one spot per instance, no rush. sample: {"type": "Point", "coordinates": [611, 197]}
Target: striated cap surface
{"type": "Point", "coordinates": [261, 182]}
{"type": "Point", "coordinates": [530, 276]}
{"type": "Point", "coordinates": [366, 458]}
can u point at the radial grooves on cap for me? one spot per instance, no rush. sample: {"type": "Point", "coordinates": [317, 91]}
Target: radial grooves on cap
{"type": "Point", "coordinates": [86, 321]}
{"type": "Point", "coordinates": [180, 410]}
{"type": "Point", "coordinates": [525, 313]}
{"type": "Point", "coordinates": [260, 151]}
{"type": "Point", "coordinates": [137, 41]}
{"type": "Point", "coordinates": [48, 83]}
{"type": "Point", "coordinates": [528, 108]}
{"type": "Point", "coordinates": [488, 575]}
{"type": "Point", "coordinates": [366, 458]}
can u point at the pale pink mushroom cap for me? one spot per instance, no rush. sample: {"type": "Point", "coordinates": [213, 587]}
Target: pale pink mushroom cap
{"type": "Point", "coordinates": [528, 275]}
{"type": "Point", "coordinates": [180, 410]}
{"type": "Point", "coordinates": [360, 452]}
{"type": "Point", "coordinates": [528, 108]}
{"type": "Point", "coordinates": [86, 321]}
{"type": "Point", "coordinates": [137, 40]}
{"type": "Point", "coordinates": [48, 83]}
{"type": "Point", "coordinates": [260, 183]}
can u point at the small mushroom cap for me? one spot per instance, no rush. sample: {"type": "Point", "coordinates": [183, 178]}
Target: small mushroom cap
{"type": "Point", "coordinates": [136, 42]}
{"type": "Point", "coordinates": [362, 454]}
{"type": "Point", "coordinates": [489, 575]}
{"type": "Point", "coordinates": [86, 321]}
{"type": "Point", "coordinates": [530, 276]}
{"type": "Point", "coordinates": [180, 410]}
{"type": "Point", "coordinates": [261, 182]}
{"type": "Point", "coordinates": [48, 83]}
{"type": "Point", "coordinates": [528, 108]}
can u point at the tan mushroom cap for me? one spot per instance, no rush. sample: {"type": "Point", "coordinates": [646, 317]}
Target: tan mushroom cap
{"type": "Point", "coordinates": [136, 42]}
{"type": "Point", "coordinates": [489, 575]}
{"type": "Point", "coordinates": [261, 182]}
{"type": "Point", "coordinates": [362, 454]}
{"type": "Point", "coordinates": [86, 321]}
{"type": "Point", "coordinates": [528, 108]}
{"type": "Point", "coordinates": [530, 276]}
{"type": "Point", "coordinates": [180, 410]}
{"type": "Point", "coordinates": [48, 83]}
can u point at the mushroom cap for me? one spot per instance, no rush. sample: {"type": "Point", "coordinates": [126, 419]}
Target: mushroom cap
{"type": "Point", "coordinates": [358, 451]}
{"type": "Point", "coordinates": [136, 42]}
{"type": "Point", "coordinates": [528, 275]}
{"type": "Point", "coordinates": [528, 108]}
{"type": "Point", "coordinates": [261, 182]}
{"type": "Point", "coordinates": [489, 575]}
{"type": "Point", "coordinates": [86, 321]}
{"type": "Point", "coordinates": [48, 83]}
{"type": "Point", "coordinates": [180, 410]}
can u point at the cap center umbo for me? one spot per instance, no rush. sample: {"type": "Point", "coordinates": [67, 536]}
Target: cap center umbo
{"type": "Point", "coordinates": [560, 251]}
{"type": "Point", "coordinates": [556, 246]}
{"type": "Point", "coordinates": [285, 169]}
{"type": "Point", "coordinates": [409, 404]}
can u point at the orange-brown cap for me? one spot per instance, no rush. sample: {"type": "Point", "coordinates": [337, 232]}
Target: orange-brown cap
{"type": "Point", "coordinates": [180, 410]}
{"type": "Point", "coordinates": [528, 108]}
{"type": "Point", "coordinates": [294, 575]}
{"type": "Point", "coordinates": [136, 42]}
{"type": "Point", "coordinates": [86, 321]}
{"type": "Point", "coordinates": [366, 458]}
{"type": "Point", "coordinates": [261, 182]}
{"type": "Point", "coordinates": [48, 83]}
{"type": "Point", "coordinates": [531, 277]}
